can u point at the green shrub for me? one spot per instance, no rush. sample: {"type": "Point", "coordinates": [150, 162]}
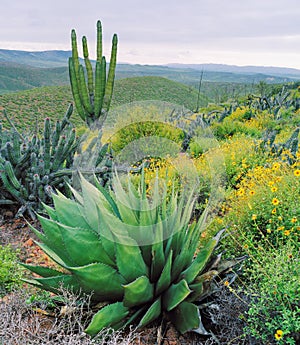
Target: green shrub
{"type": "Point", "coordinates": [274, 312]}
{"type": "Point", "coordinates": [10, 272]}
{"type": "Point", "coordinates": [228, 128]}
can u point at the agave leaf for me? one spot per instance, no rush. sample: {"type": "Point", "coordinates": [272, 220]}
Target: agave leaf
{"type": "Point", "coordinates": [175, 294]}
{"type": "Point", "coordinates": [200, 261]}
{"type": "Point", "coordinates": [138, 292]}
{"type": "Point", "coordinates": [130, 262]}
{"type": "Point", "coordinates": [84, 246]}
{"type": "Point", "coordinates": [186, 317]}
{"type": "Point", "coordinates": [185, 256]}
{"type": "Point", "coordinates": [127, 211]}
{"type": "Point", "coordinates": [108, 197]}
{"type": "Point", "coordinates": [201, 285]}
{"type": "Point", "coordinates": [42, 271]}
{"type": "Point", "coordinates": [77, 196]}
{"type": "Point", "coordinates": [59, 256]}
{"type": "Point", "coordinates": [164, 280]}
{"type": "Point", "coordinates": [104, 281]}
{"type": "Point", "coordinates": [50, 211]}
{"type": "Point", "coordinates": [227, 264]}
{"type": "Point", "coordinates": [52, 233]}
{"type": "Point", "coordinates": [157, 252]}
{"type": "Point", "coordinates": [91, 198]}
{"type": "Point", "coordinates": [106, 236]}
{"type": "Point", "coordinates": [89, 191]}
{"type": "Point", "coordinates": [69, 212]}
{"type": "Point", "coordinates": [53, 242]}
{"type": "Point", "coordinates": [56, 283]}
{"type": "Point", "coordinates": [152, 313]}
{"type": "Point", "coordinates": [107, 317]}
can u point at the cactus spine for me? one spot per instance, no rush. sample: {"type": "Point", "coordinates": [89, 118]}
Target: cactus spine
{"type": "Point", "coordinates": [92, 93]}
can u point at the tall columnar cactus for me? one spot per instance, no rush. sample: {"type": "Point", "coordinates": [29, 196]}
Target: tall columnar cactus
{"type": "Point", "coordinates": [136, 254]}
{"type": "Point", "coordinates": [92, 93]}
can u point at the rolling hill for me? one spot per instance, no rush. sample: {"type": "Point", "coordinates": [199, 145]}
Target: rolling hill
{"type": "Point", "coordinates": [26, 108]}
{"type": "Point", "coordinates": [20, 70]}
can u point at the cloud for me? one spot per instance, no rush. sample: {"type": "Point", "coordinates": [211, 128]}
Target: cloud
{"type": "Point", "coordinates": [159, 27]}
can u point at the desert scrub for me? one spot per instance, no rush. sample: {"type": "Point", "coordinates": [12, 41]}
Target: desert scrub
{"type": "Point", "coordinates": [10, 272]}
{"type": "Point", "coordinates": [21, 323]}
{"type": "Point", "coordinates": [228, 128]}
{"type": "Point", "coordinates": [274, 311]}
{"type": "Point", "coordinates": [264, 209]}
{"type": "Point", "coordinates": [239, 154]}
{"type": "Point", "coordinates": [132, 124]}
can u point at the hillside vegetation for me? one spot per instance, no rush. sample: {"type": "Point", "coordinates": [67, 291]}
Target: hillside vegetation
{"type": "Point", "coordinates": [244, 164]}
{"type": "Point", "coordinates": [16, 77]}
{"type": "Point", "coordinates": [27, 107]}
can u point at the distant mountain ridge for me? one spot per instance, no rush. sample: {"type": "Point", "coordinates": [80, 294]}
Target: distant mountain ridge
{"type": "Point", "coordinates": [271, 70]}
{"type": "Point", "coordinates": [42, 59]}
{"type": "Point", "coordinates": [20, 70]}
{"type": "Point", "coordinates": [59, 58]}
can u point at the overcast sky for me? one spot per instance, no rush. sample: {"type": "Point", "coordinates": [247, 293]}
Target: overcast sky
{"type": "Point", "coordinates": [240, 32]}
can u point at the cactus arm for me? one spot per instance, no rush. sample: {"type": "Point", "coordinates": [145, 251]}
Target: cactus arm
{"type": "Point", "coordinates": [100, 84]}
{"type": "Point", "coordinates": [85, 99]}
{"type": "Point", "coordinates": [55, 137]}
{"type": "Point", "coordinates": [9, 187]}
{"type": "Point", "coordinates": [10, 153]}
{"type": "Point", "coordinates": [89, 68]}
{"type": "Point", "coordinates": [11, 175]}
{"type": "Point", "coordinates": [75, 89]}
{"type": "Point", "coordinates": [75, 52]}
{"type": "Point", "coordinates": [47, 133]}
{"type": "Point", "coordinates": [67, 116]}
{"type": "Point", "coordinates": [99, 41]}
{"type": "Point", "coordinates": [16, 145]}
{"type": "Point", "coordinates": [58, 155]}
{"type": "Point", "coordinates": [111, 74]}
{"type": "Point", "coordinates": [68, 146]}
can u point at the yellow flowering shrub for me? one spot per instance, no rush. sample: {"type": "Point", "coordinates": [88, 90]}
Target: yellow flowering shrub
{"type": "Point", "coordinates": [265, 207]}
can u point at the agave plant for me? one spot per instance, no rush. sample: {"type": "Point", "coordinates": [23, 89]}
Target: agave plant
{"type": "Point", "coordinates": [133, 252]}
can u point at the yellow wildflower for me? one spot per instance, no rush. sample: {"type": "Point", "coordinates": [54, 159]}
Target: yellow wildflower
{"type": "Point", "coordinates": [294, 220]}
{"type": "Point", "coordinates": [287, 232]}
{"type": "Point", "coordinates": [275, 201]}
{"type": "Point", "coordinates": [274, 211]}
{"type": "Point", "coordinates": [278, 335]}
{"type": "Point", "coordinates": [252, 192]}
{"type": "Point", "coordinates": [297, 172]}
{"type": "Point", "coordinates": [274, 189]}
{"type": "Point", "coordinates": [254, 217]}
{"type": "Point", "coordinates": [276, 166]}
{"type": "Point", "coordinates": [241, 192]}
